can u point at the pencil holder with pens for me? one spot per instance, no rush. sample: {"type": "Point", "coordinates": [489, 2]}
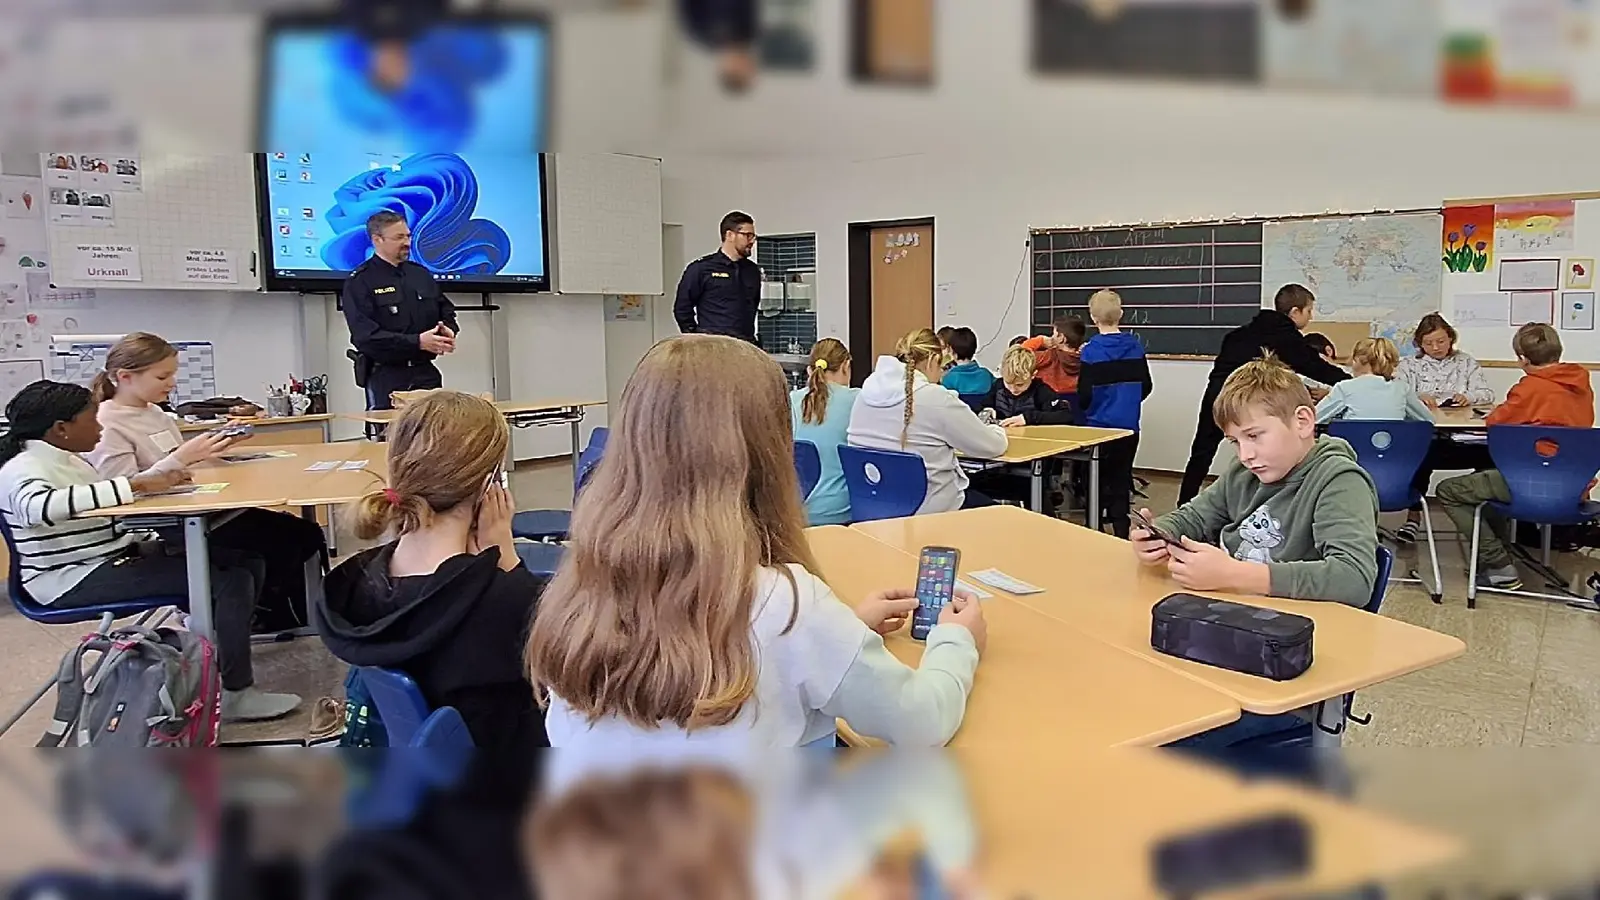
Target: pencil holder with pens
{"type": "Point", "coordinates": [319, 403]}
{"type": "Point", "coordinates": [277, 405]}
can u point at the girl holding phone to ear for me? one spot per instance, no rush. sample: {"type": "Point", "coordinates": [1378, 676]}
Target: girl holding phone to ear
{"type": "Point", "coordinates": [446, 600]}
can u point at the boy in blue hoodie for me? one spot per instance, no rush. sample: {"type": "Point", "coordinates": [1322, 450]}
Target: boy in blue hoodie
{"type": "Point", "coordinates": [1112, 385]}
{"type": "Point", "coordinates": [966, 376]}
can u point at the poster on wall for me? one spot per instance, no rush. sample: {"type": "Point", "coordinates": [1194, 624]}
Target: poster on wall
{"type": "Point", "coordinates": [1537, 226]}
{"type": "Point", "coordinates": [1468, 238]}
{"type": "Point", "coordinates": [1530, 274]}
{"type": "Point", "coordinates": [105, 262]}
{"type": "Point", "coordinates": [1490, 309]}
{"type": "Point", "coordinates": [1577, 310]}
{"type": "Point", "coordinates": [1580, 274]}
{"type": "Point", "coordinates": [1532, 307]}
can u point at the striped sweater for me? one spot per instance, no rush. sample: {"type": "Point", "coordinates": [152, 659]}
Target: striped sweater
{"type": "Point", "coordinates": [42, 490]}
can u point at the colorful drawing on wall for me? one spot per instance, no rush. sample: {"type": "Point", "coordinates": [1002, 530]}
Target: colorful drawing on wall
{"type": "Point", "coordinates": [1538, 226]}
{"type": "Point", "coordinates": [1468, 238]}
{"type": "Point", "coordinates": [1580, 274]}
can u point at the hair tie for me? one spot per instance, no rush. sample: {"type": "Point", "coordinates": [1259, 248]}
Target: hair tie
{"type": "Point", "coordinates": [821, 364]}
{"type": "Point", "coordinates": [392, 496]}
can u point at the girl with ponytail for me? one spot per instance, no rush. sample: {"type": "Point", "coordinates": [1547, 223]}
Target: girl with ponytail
{"type": "Point", "coordinates": [140, 437]}
{"type": "Point", "coordinates": [821, 414]}
{"type": "Point", "coordinates": [903, 407]}
{"type": "Point", "coordinates": [446, 600]}
{"type": "Point", "coordinates": [69, 560]}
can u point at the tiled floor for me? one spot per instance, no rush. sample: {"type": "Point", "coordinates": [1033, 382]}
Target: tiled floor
{"type": "Point", "coordinates": [1531, 675]}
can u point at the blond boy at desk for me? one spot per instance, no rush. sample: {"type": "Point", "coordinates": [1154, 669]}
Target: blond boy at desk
{"type": "Point", "coordinates": [1292, 516]}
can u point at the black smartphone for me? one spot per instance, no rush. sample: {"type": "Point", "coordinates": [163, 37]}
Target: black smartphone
{"type": "Point", "coordinates": [241, 429]}
{"type": "Point", "coordinates": [1139, 521]}
{"type": "Point", "coordinates": [936, 585]}
{"type": "Point", "coordinates": [1448, 404]}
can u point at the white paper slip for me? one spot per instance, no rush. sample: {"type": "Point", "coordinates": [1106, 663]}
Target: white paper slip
{"type": "Point", "coordinates": [354, 465]}
{"type": "Point", "coordinates": [324, 466]}
{"type": "Point", "coordinates": [973, 589]}
{"type": "Point", "coordinates": [1000, 581]}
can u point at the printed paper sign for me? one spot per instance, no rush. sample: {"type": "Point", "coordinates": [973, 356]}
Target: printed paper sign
{"type": "Point", "coordinates": [106, 262]}
{"type": "Point", "coordinates": [209, 266]}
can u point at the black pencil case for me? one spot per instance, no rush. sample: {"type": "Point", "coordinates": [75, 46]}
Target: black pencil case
{"type": "Point", "coordinates": [1233, 636]}
{"type": "Point", "coordinates": [1234, 856]}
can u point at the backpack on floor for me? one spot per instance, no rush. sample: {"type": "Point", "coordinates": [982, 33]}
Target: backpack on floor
{"type": "Point", "coordinates": [151, 688]}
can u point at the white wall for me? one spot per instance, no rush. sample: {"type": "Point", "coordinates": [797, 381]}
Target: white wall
{"type": "Point", "coordinates": [992, 151]}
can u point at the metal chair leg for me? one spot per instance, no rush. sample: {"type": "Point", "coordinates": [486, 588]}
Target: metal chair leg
{"type": "Point", "coordinates": [1545, 535]}
{"type": "Point", "coordinates": [1472, 559]}
{"type": "Point", "coordinates": [1433, 554]}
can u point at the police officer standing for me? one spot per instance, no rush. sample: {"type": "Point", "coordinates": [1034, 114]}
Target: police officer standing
{"type": "Point", "coordinates": [399, 319]}
{"type": "Point", "coordinates": [719, 293]}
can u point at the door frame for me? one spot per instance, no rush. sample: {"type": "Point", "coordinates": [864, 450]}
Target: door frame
{"type": "Point", "coordinates": [859, 296]}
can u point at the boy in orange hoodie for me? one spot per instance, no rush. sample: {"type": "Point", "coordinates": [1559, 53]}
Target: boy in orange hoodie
{"type": "Point", "coordinates": [1055, 358]}
{"type": "Point", "coordinates": [1550, 392]}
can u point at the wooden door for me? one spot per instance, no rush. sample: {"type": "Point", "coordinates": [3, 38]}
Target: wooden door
{"type": "Point", "coordinates": [902, 283]}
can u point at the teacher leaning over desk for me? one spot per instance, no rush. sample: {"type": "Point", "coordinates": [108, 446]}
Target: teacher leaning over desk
{"type": "Point", "coordinates": [400, 321]}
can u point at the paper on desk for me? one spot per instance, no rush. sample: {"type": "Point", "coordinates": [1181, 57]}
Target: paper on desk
{"type": "Point", "coordinates": [215, 487]}
{"type": "Point", "coordinates": [354, 465]}
{"type": "Point", "coordinates": [257, 454]}
{"type": "Point", "coordinates": [327, 465]}
{"type": "Point", "coordinates": [973, 589]}
{"type": "Point", "coordinates": [1001, 581]}
{"type": "Point", "coordinates": [183, 490]}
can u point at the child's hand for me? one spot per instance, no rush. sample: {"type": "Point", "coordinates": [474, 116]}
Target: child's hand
{"type": "Point", "coordinates": [1429, 400]}
{"type": "Point", "coordinates": [1014, 422]}
{"type": "Point", "coordinates": [966, 610]}
{"type": "Point", "coordinates": [157, 480]}
{"type": "Point", "coordinates": [1202, 567]}
{"type": "Point", "coordinates": [887, 611]}
{"type": "Point", "coordinates": [1461, 400]}
{"type": "Point", "coordinates": [493, 525]}
{"type": "Point", "coordinates": [203, 448]}
{"type": "Point", "coordinates": [1151, 550]}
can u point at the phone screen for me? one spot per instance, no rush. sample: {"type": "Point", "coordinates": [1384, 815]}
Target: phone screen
{"type": "Point", "coordinates": [1140, 521]}
{"type": "Point", "coordinates": [936, 585]}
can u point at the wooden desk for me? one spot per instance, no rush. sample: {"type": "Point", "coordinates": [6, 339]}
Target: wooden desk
{"type": "Point", "coordinates": [520, 415]}
{"type": "Point", "coordinates": [1460, 418]}
{"type": "Point", "coordinates": [254, 484]}
{"type": "Point", "coordinates": [1094, 583]}
{"type": "Point", "coordinates": [1040, 681]}
{"type": "Point", "coordinates": [1033, 444]}
{"type": "Point", "coordinates": [272, 430]}
{"type": "Point", "coordinates": [1050, 824]}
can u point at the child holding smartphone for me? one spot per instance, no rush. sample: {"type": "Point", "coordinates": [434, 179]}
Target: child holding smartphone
{"type": "Point", "coordinates": [447, 600]}
{"type": "Point", "coordinates": [687, 612]}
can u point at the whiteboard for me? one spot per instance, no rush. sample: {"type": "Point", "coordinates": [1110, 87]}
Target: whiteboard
{"type": "Point", "coordinates": [607, 215]}
{"type": "Point", "coordinates": [185, 202]}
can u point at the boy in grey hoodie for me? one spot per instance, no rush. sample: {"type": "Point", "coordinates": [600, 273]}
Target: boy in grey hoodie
{"type": "Point", "coordinates": [1294, 514]}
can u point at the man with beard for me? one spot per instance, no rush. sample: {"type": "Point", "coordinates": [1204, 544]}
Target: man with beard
{"type": "Point", "coordinates": [719, 293]}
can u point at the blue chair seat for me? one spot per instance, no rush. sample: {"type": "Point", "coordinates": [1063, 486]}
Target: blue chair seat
{"type": "Point", "coordinates": [50, 615]}
{"type": "Point", "coordinates": [541, 559]}
{"type": "Point", "coordinates": [883, 484]}
{"type": "Point", "coordinates": [1586, 511]}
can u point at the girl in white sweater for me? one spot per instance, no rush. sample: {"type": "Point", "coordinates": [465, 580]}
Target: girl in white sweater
{"type": "Point", "coordinates": [687, 611]}
{"type": "Point", "coordinates": [902, 406]}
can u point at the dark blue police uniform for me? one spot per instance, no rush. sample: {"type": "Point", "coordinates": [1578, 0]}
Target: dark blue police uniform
{"type": "Point", "coordinates": [718, 295]}
{"type": "Point", "coordinates": [387, 308]}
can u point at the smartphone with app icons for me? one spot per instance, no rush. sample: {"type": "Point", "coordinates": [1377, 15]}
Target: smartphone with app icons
{"type": "Point", "coordinates": [936, 586]}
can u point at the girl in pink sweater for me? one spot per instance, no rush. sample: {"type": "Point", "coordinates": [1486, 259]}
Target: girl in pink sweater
{"type": "Point", "coordinates": [139, 436]}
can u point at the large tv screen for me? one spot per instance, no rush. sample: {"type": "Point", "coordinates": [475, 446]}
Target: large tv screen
{"type": "Point", "coordinates": [477, 220]}
{"type": "Point", "coordinates": [444, 128]}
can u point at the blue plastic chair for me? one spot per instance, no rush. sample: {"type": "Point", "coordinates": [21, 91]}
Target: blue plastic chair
{"type": "Point", "coordinates": [883, 484]}
{"type": "Point", "coordinates": [1300, 736]}
{"type": "Point", "coordinates": [807, 465]}
{"type": "Point", "coordinates": [1545, 489]}
{"type": "Point", "coordinates": [556, 524]}
{"type": "Point", "coordinates": [541, 559]}
{"type": "Point", "coordinates": [1391, 452]}
{"type": "Point", "coordinates": [144, 607]}
{"type": "Point", "coordinates": [405, 713]}
{"type": "Point", "coordinates": [976, 401]}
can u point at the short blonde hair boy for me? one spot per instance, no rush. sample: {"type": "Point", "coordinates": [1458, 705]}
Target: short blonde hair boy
{"type": "Point", "coordinates": [1263, 384]}
{"type": "Point", "coordinates": [1018, 365]}
{"type": "Point", "coordinates": [1537, 343]}
{"type": "Point", "coordinates": [1105, 308]}
{"type": "Point", "coordinates": [1379, 355]}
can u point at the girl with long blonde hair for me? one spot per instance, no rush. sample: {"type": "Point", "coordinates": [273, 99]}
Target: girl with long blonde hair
{"type": "Point", "coordinates": [903, 407]}
{"type": "Point", "coordinates": [688, 609]}
{"type": "Point", "coordinates": [820, 413]}
{"type": "Point", "coordinates": [446, 600]}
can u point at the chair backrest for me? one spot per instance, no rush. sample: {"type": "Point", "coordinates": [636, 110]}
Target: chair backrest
{"type": "Point", "coordinates": [14, 587]}
{"type": "Point", "coordinates": [883, 484]}
{"type": "Point", "coordinates": [1070, 401]}
{"type": "Point", "coordinates": [590, 457]}
{"type": "Point", "coordinates": [1380, 585]}
{"type": "Point", "coordinates": [444, 728]}
{"type": "Point", "coordinates": [400, 703]}
{"type": "Point", "coordinates": [808, 465]}
{"type": "Point", "coordinates": [1547, 469]}
{"type": "Point", "coordinates": [1389, 451]}
{"type": "Point", "coordinates": [976, 401]}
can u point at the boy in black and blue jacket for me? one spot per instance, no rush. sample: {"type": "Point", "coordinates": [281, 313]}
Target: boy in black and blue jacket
{"type": "Point", "coordinates": [1112, 385]}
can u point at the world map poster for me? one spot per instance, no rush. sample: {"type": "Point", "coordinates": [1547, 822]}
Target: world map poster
{"type": "Point", "coordinates": [1382, 269]}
